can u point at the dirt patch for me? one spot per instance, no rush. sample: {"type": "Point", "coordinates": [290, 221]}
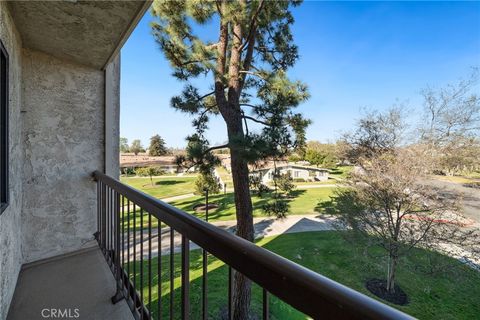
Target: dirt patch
{"type": "Point", "coordinates": [379, 288]}
{"type": "Point", "coordinates": [203, 207]}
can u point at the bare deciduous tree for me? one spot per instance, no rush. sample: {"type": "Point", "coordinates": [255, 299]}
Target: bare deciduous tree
{"type": "Point", "coordinates": [450, 126]}
{"type": "Point", "coordinates": [376, 133]}
{"type": "Point", "coordinates": [390, 203]}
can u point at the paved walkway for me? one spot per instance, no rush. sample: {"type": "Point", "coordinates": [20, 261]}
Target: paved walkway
{"type": "Point", "coordinates": [264, 227]}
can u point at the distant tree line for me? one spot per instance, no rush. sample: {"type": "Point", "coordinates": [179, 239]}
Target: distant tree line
{"type": "Point", "coordinates": [157, 146]}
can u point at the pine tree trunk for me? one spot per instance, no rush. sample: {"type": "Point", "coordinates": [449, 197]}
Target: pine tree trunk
{"type": "Point", "coordinates": [243, 206]}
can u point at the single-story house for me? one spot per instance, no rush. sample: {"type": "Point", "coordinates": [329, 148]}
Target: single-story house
{"type": "Point", "coordinates": [300, 172]}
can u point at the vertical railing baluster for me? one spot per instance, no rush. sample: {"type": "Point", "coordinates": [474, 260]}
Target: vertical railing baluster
{"type": "Point", "coordinates": [108, 222]}
{"type": "Point", "coordinates": [230, 293]}
{"type": "Point", "coordinates": [150, 263]}
{"type": "Point", "coordinates": [172, 274]}
{"type": "Point", "coordinates": [122, 221]}
{"type": "Point", "coordinates": [135, 285]}
{"type": "Point", "coordinates": [141, 261]}
{"type": "Point", "coordinates": [205, 270]}
{"type": "Point", "coordinates": [103, 217]}
{"type": "Point", "coordinates": [159, 269]}
{"type": "Point", "coordinates": [205, 286]}
{"type": "Point", "coordinates": [128, 247]}
{"type": "Point", "coordinates": [112, 217]}
{"type": "Point", "coordinates": [117, 233]}
{"type": "Point", "coordinates": [185, 277]}
{"type": "Point", "coordinates": [266, 311]}
{"type": "Point", "coordinates": [116, 221]}
{"type": "Point", "coordinates": [97, 234]}
{"type": "Point", "coordinates": [107, 219]}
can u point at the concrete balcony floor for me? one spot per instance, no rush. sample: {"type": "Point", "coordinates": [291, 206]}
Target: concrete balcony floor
{"type": "Point", "coordinates": [80, 281]}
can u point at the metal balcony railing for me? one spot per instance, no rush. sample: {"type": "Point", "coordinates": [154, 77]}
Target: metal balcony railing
{"type": "Point", "coordinates": [130, 229]}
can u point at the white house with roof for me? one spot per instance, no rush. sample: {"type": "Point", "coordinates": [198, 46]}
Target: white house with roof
{"type": "Point", "coordinates": [296, 171]}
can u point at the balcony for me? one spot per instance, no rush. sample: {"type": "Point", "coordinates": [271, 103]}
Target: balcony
{"type": "Point", "coordinates": [80, 282]}
{"type": "Point", "coordinates": [75, 248]}
{"type": "Point", "coordinates": [128, 225]}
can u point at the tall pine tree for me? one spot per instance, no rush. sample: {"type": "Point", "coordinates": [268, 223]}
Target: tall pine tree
{"type": "Point", "coordinates": [247, 64]}
{"type": "Point", "coordinates": [157, 146]}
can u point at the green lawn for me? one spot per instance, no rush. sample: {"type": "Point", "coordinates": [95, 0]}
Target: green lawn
{"type": "Point", "coordinates": [340, 172]}
{"type": "Point", "coordinates": [162, 186]}
{"type": "Point", "coordinates": [304, 201]}
{"type": "Point", "coordinates": [451, 295]}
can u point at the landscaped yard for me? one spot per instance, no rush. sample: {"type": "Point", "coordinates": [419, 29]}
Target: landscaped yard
{"type": "Point", "coordinates": [451, 295]}
{"type": "Point", "coordinates": [162, 186]}
{"type": "Point", "coordinates": [303, 201]}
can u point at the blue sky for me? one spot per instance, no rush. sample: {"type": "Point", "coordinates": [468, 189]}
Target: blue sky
{"type": "Point", "coordinates": [354, 55]}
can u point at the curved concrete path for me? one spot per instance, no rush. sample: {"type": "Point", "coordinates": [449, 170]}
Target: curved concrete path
{"type": "Point", "coordinates": [264, 227]}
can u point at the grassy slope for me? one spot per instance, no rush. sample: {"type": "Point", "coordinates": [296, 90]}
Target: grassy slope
{"type": "Point", "coordinates": [455, 295]}
{"type": "Point", "coordinates": [163, 186]}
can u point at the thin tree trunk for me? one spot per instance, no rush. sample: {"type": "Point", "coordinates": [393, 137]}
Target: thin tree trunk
{"type": "Point", "coordinates": [391, 274]}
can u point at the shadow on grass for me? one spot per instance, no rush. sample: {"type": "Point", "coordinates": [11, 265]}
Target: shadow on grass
{"type": "Point", "coordinates": [341, 201]}
{"type": "Point", "coordinates": [169, 182]}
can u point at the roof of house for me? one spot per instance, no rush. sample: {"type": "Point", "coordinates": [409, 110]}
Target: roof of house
{"type": "Point", "coordinates": [144, 160]}
{"type": "Point", "coordinates": [289, 165]}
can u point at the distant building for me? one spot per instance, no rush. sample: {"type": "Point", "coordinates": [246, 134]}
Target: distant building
{"type": "Point", "coordinates": [296, 171]}
{"type": "Point", "coordinates": [130, 160]}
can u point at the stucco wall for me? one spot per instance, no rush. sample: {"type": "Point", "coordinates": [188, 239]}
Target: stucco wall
{"type": "Point", "coordinates": [10, 219]}
{"type": "Point", "coordinates": [64, 143]}
{"type": "Point", "coordinates": [112, 118]}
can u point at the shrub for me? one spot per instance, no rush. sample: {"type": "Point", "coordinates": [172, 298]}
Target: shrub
{"type": "Point", "coordinates": [277, 207]}
{"type": "Point", "coordinates": [207, 181]}
{"type": "Point", "coordinates": [262, 189]}
{"type": "Point", "coordinates": [256, 184]}
{"type": "Point", "coordinates": [128, 171]}
{"type": "Point", "coordinates": [284, 182]}
{"type": "Point", "coordinates": [149, 171]}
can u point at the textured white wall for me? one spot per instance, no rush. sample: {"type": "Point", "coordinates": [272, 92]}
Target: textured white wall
{"type": "Point", "coordinates": [10, 219]}
{"type": "Point", "coordinates": [64, 143]}
{"type": "Point", "coordinates": [112, 118]}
